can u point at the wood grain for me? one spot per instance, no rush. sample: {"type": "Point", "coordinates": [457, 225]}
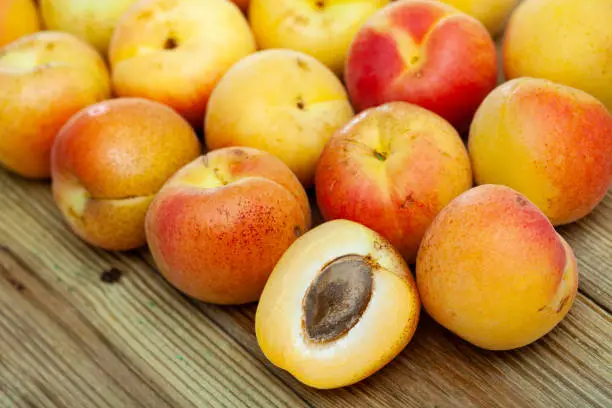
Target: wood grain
{"type": "Point", "coordinates": [182, 356]}
{"type": "Point", "coordinates": [591, 239]}
{"type": "Point", "coordinates": [68, 338]}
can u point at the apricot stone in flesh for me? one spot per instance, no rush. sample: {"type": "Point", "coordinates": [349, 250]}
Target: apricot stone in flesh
{"type": "Point", "coordinates": [493, 270]}
{"type": "Point", "coordinates": [337, 298]}
{"type": "Point", "coordinates": [340, 304]}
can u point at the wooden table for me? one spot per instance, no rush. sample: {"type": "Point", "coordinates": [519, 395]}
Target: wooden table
{"type": "Point", "coordinates": [81, 327]}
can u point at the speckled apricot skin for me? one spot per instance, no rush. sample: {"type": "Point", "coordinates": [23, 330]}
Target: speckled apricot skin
{"type": "Point", "coordinates": [17, 19]}
{"type": "Point", "coordinates": [426, 165]}
{"type": "Point", "coordinates": [206, 37]}
{"type": "Point", "coordinates": [220, 224]}
{"type": "Point", "coordinates": [423, 52]}
{"type": "Point", "coordinates": [565, 41]}
{"type": "Point", "coordinates": [493, 270]}
{"type": "Point", "coordinates": [108, 162]}
{"type": "Point", "coordinates": [45, 78]}
{"type": "Point", "coordinates": [383, 330]}
{"type": "Point", "coordinates": [290, 105]}
{"type": "Point", "coordinates": [550, 142]}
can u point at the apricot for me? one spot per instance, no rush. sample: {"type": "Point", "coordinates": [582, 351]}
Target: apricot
{"type": "Point", "coordinates": [492, 13]}
{"type": "Point", "coordinates": [392, 168]}
{"type": "Point", "coordinates": [175, 52]}
{"type": "Point", "coordinates": [18, 18]}
{"type": "Point", "coordinates": [493, 270]}
{"type": "Point", "coordinates": [340, 304]}
{"type": "Point", "coordinates": [92, 21]}
{"type": "Point", "coordinates": [281, 101]}
{"type": "Point", "coordinates": [551, 142]}
{"type": "Point", "coordinates": [323, 29]}
{"type": "Point", "coordinates": [108, 162]}
{"type": "Point", "coordinates": [219, 225]}
{"type": "Point", "coordinates": [45, 78]}
{"type": "Point", "coordinates": [424, 52]}
{"type": "Point", "coordinates": [565, 41]}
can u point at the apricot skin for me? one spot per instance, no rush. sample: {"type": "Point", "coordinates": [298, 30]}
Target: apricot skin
{"type": "Point", "coordinates": [45, 78]}
{"type": "Point", "coordinates": [548, 141]}
{"type": "Point", "coordinates": [92, 21]}
{"type": "Point", "coordinates": [108, 162]}
{"type": "Point", "coordinates": [289, 105]}
{"type": "Point", "coordinates": [492, 13]}
{"type": "Point", "coordinates": [423, 52]}
{"type": "Point", "coordinates": [493, 270]}
{"type": "Point", "coordinates": [421, 166]}
{"type": "Point", "coordinates": [323, 29]}
{"type": "Point", "coordinates": [17, 18]}
{"type": "Point", "coordinates": [220, 224]}
{"type": "Point", "coordinates": [175, 52]}
{"type": "Point", "coordinates": [565, 41]}
{"type": "Point", "coordinates": [382, 331]}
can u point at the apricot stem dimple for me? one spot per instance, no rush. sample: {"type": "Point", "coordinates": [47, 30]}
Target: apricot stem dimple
{"type": "Point", "coordinates": [380, 155]}
{"type": "Point", "coordinates": [320, 4]}
{"type": "Point", "coordinates": [220, 177]}
{"type": "Point", "coordinates": [300, 103]}
{"type": "Point", "coordinates": [170, 43]}
{"type": "Point", "coordinates": [337, 298]}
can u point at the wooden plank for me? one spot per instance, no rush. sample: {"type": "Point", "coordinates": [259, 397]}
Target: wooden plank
{"type": "Point", "coordinates": [570, 367]}
{"type": "Point", "coordinates": [47, 345]}
{"type": "Point", "coordinates": [178, 352]}
{"type": "Point", "coordinates": [192, 353]}
{"type": "Point", "coordinates": [591, 239]}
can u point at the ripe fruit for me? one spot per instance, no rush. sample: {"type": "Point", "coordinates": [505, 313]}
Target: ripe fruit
{"type": "Point", "coordinates": [492, 269]}
{"type": "Point", "coordinates": [45, 78]}
{"type": "Point", "coordinates": [323, 29]}
{"type": "Point", "coordinates": [281, 101]}
{"type": "Point", "coordinates": [220, 224]}
{"type": "Point", "coordinates": [174, 52]}
{"type": "Point", "coordinates": [565, 41]}
{"type": "Point", "coordinates": [92, 21]}
{"type": "Point", "coordinates": [393, 168]}
{"type": "Point", "coordinates": [17, 19]}
{"type": "Point", "coordinates": [109, 161]}
{"type": "Point", "coordinates": [492, 13]}
{"type": "Point", "coordinates": [424, 52]}
{"type": "Point", "coordinates": [550, 142]}
{"type": "Point", "coordinates": [340, 304]}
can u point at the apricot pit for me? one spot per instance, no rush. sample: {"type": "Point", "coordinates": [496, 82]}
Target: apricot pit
{"type": "Point", "coordinates": [337, 298]}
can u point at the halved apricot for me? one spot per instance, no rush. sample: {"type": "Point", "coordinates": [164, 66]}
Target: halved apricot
{"type": "Point", "coordinates": [340, 304]}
